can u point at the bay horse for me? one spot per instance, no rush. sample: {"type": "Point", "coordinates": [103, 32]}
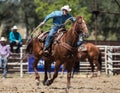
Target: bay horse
{"type": "Point", "coordinates": [92, 54]}
{"type": "Point", "coordinates": [63, 52]}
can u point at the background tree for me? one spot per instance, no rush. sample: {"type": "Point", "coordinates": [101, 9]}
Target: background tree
{"type": "Point", "coordinates": [21, 12]}
{"type": "Point", "coordinates": [109, 19]}
{"type": "Point", "coordinates": [32, 12]}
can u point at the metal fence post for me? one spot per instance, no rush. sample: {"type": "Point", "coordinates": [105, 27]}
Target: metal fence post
{"type": "Point", "coordinates": [110, 63]}
{"type": "Point", "coordinates": [106, 67]}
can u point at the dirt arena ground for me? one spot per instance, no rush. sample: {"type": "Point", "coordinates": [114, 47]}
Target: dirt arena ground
{"type": "Point", "coordinates": [103, 84]}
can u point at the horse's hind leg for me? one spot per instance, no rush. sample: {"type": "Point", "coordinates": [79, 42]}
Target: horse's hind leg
{"type": "Point", "coordinates": [35, 69]}
{"type": "Point", "coordinates": [98, 68]}
{"type": "Point", "coordinates": [92, 67]}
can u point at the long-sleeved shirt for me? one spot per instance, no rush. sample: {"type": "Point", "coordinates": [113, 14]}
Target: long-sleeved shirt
{"type": "Point", "coordinates": [4, 50]}
{"type": "Point", "coordinates": [58, 18]}
{"type": "Point", "coordinates": [13, 36]}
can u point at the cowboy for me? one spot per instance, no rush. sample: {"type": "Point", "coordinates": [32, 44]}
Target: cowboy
{"type": "Point", "coordinates": [4, 54]}
{"type": "Point", "coordinates": [15, 39]}
{"type": "Point", "coordinates": [59, 18]}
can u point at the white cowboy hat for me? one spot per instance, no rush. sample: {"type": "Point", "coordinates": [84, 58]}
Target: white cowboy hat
{"type": "Point", "coordinates": [66, 7]}
{"type": "Point", "coordinates": [14, 27]}
{"type": "Point", "coordinates": [3, 39]}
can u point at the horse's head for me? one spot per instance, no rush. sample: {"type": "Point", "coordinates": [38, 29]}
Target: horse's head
{"type": "Point", "coordinates": [81, 27]}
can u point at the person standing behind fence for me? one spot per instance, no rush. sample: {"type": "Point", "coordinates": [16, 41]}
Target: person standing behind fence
{"type": "Point", "coordinates": [4, 54]}
{"type": "Point", "coordinates": [15, 39]}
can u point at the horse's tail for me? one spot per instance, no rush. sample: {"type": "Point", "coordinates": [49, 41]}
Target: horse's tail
{"type": "Point", "coordinates": [29, 47]}
{"type": "Point", "coordinates": [100, 60]}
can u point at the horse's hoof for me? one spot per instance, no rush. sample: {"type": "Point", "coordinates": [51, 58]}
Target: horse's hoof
{"type": "Point", "coordinates": [67, 90]}
{"type": "Point", "coordinates": [44, 82]}
{"type": "Point", "coordinates": [48, 82]}
{"type": "Point", "coordinates": [37, 83]}
{"type": "Point", "coordinates": [98, 73]}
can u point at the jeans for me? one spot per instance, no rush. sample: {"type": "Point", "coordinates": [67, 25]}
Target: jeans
{"type": "Point", "coordinates": [50, 36]}
{"type": "Point", "coordinates": [15, 44]}
{"type": "Point", "coordinates": [80, 41]}
{"type": "Point", "coordinates": [3, 65]}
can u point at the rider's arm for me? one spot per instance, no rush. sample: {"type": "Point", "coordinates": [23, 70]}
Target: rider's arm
{"type": "Point", "coordinates": [70, 17]}
{"type": "Point", "coordinates": [52, 15]}
{"type": "Point", "coordinates": [11, 37]}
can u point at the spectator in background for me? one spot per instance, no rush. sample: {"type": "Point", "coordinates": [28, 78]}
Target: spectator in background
{"type": "Point", "coordinates": [4, 54]}
{"type": "Point", "coordinates": [15, 39]}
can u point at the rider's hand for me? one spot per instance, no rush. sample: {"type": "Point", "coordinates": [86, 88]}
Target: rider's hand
{"type": "Point", "coordinates": [16, 41]}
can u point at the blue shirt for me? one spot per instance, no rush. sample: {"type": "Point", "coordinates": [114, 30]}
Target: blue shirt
{"type": "Point", "coordinates": [58, 18]}
{"type": "Point", "coordinates": [12, 37]}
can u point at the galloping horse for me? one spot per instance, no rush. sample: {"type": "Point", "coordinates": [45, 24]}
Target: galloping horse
{"type": "Point", "coordinates": [63, 52]}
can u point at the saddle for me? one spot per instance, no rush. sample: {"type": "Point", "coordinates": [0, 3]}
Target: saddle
{"type": "Point", "coordinates": [42, 37]}
{"type": "Point", "coordinates": [82, 47]}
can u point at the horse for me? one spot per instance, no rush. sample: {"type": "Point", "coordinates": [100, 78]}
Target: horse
{"type": "Point", "coordinates": [63, 51]}
{"type": "Point", "coordinates": [94, 56]}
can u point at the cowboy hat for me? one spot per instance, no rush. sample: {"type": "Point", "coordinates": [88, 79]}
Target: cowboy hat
{"type": "Point", "coordinates": [3, 39]}
{"type": "Point", "coordinates": [14, 27]}
{"type": "Point", "coordinates": [66, 7]}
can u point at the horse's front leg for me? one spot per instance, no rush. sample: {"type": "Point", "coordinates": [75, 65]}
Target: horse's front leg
{"type": "Point", "coordinates": [68, 79]}
{"type": "Point", "coordinates": [69, 71]}
{"type": "Point", "coordinates": [56, 69]}
{"type": "Point", "coordinates": [37, 78]}
{"type": "Point", "coordinates": [47, 68]}
{"type": "Point", "coordinates": [63, 69]}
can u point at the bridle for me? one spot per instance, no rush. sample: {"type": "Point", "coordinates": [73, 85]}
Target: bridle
{"type": "Point", "coordinates": [84, 34]}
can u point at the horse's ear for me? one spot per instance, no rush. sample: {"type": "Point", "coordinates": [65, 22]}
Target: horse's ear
{"type": "Point", "coordinates": [79, 19]}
